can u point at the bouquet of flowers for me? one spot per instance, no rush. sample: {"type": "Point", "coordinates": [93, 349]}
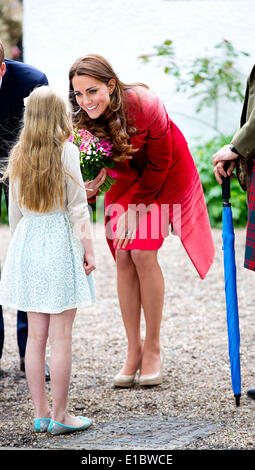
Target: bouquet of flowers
{"type": "Point", "coordinates": [95, 154]}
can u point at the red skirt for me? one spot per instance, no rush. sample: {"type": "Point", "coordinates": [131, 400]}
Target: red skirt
{"type": "Point", "coordinates": [153, 224]}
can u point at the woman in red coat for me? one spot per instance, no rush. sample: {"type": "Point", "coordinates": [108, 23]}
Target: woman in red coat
{"type": "Point", "coordinates": [157, 185]}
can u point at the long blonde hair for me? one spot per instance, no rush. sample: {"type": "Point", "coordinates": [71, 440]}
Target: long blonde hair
{"type": "Point", "coordinates": [36, 158]}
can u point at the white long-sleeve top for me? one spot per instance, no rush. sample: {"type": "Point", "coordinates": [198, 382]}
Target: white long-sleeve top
{"type": "Point", "coordinates": [75, 199]}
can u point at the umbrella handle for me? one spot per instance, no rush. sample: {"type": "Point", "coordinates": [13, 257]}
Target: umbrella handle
{"type": "Point", "coordinates": [226, 187]}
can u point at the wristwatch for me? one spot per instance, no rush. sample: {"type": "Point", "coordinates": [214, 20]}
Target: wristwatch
{"type": "Point", "coordinates": [233, 149]}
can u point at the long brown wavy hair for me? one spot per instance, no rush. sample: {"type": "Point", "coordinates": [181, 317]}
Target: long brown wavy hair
{"type": "Point", "coordinates": [36, 158]}
{"type": "Point", "coordinates": [114, 124]}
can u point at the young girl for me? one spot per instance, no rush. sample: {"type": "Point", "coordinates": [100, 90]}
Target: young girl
{"type": "Point", "coordinates": [45, 272]}
{"type": "Point", "coordinates": [155, 173]}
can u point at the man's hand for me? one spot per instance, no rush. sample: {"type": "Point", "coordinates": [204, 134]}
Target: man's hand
{"type": "Point", "coordinates": [93, 186]}
{"type": "Point", "coordinates": [224, 155]}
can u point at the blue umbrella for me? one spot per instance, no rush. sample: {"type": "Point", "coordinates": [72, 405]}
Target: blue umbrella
{"type": "Point", "coordinates": [231, 290]}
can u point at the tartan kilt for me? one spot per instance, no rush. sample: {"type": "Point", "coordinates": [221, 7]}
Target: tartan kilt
{"type": "Point", "coordinates": [249, 257]}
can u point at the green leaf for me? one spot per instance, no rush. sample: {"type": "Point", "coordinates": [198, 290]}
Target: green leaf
{"type": "Point", "coordinates": [168, 42]}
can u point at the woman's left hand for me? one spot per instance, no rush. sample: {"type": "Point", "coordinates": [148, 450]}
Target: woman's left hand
{"type": "Point", "coordinates": [93, 186]}
{"type": "Point", "coordinates": [127, 226]}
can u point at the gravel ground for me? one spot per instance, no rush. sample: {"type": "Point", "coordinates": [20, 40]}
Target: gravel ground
{"type": "Point", "coordinates": [197, 383]}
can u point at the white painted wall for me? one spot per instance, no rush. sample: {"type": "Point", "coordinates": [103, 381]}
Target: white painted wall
{"type": "Point", "coordinates": [57, 32]}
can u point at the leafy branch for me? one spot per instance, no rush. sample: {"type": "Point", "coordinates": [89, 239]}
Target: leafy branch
{"type": "Point", "coordinates": [165, 49]}
{"type": "Point", "coordinates": [212, 78]}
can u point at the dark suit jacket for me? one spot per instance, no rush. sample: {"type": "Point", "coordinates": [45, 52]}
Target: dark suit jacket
{"type": "Point", "coordinates": [17, 83]}
{"type": "Point", "coordinates": [244, 138]}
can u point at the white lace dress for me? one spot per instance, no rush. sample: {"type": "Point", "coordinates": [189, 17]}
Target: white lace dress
{"type": "Point", "coordinates": [43, 269]}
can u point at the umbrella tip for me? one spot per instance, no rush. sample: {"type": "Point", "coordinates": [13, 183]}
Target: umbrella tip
{"type": "Point", "coordinates": [237, 397]}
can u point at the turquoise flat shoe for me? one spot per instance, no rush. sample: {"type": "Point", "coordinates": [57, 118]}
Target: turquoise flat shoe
{"type": "Point", "coordinates": [41, 424]}
{"type": "Point", "coordinates": [58, 428]}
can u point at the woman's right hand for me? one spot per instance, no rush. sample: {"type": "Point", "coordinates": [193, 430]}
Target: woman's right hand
{"type": "Point", "coordinates": [93, 186]}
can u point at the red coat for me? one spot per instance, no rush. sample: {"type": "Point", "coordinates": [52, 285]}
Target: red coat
{"type": "Point", "coordinates": [162, 171]}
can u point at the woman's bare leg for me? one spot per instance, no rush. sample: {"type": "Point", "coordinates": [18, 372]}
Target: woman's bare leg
{"type": "Point", "coordinates": [130, 304]}
{"type": "Point", "coordinates": [152, 296]}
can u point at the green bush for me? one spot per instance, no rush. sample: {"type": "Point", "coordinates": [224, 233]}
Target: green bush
{"type": "Point", "coordinates": [202, 154]}
{"type": "Point", "coordinates": [4, 219]}
{"type": "Point", "coordinates": [98, 209]}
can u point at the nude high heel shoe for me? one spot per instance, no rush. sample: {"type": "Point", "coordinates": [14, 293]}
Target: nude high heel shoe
{"type": "Point", "coordinates": [124, 381]}
{"type": "Point", "coordinates": [153, 379]}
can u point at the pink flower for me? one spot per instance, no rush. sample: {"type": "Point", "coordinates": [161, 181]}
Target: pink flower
{"type": "Point", "coordinates": [85, 135]}
{"type": "Point", "coordinates": [112, 173]}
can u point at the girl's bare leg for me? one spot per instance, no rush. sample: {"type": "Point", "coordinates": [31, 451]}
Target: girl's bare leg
{"type": "Point", "coordinates": [60, 335]}
{"type": "Point", "coordinates": [38, 325]}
